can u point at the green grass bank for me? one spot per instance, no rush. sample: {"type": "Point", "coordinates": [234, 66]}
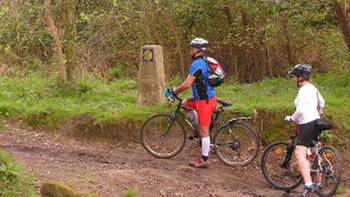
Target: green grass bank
{"type": "Point", "coordinates": [40, 100]}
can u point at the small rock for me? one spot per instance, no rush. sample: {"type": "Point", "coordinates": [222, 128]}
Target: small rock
{"type": "Point", "coordinates": [58, 189]}
{"type": "Point", "coordinates": [162, 192]}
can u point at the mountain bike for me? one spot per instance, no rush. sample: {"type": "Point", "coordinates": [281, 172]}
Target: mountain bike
{"type": "Point", "coordinates": [280, 169]}
{"type": "Point", "coordinates": [235, 143]}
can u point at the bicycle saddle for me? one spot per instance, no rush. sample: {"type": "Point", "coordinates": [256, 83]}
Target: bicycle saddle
{"type": "Point", "coordinates": [225, 103]}
{"type": "Point", "coordinates": [324, 125]}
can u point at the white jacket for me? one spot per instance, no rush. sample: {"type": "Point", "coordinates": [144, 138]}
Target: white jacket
{"type": "Point", "coordinates": [307, 103]}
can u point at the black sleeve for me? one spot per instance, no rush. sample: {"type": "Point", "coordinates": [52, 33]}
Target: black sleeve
{"type": "Point", "coordinates": [198, 74]}
{"type": "Point", "coordinates": [200, 85]}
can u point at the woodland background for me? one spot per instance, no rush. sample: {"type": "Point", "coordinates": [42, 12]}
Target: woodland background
{"type": "Point", "coordinates": [253, 39]}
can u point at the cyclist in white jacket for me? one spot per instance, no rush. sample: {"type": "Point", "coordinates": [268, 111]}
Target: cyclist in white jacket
{"type": "Point", "coordinates": [309, 104]}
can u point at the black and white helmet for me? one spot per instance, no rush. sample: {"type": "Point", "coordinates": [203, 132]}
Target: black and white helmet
{"type": "Point", "coordinates": [303, 70]}
{"type": "Point", "coordinates": [200, 44]}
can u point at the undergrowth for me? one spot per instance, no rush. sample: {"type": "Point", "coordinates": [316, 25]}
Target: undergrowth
{"type": "Point", "coordinates": [13, 182]}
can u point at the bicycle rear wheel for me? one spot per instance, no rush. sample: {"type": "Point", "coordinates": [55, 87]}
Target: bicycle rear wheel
{"type": "Point", "coordinates": [279, 167]}
{"type": "Point", "coordinates": [163, 136]}
{"type": "Point", "coordinates": [236, 144]}
{"type": "Point", "coordinates": [330, 171]}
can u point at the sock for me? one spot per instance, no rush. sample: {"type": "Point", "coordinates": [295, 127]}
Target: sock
{"type": "Point", "coordinates": [308, 184]}
{"type": "Point", "coordinates": [205, 158]}
{"type": "Point", "coordinates": [205, 147]}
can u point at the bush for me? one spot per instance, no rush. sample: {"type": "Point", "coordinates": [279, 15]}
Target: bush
{"type": "Point", "coordinates": [13, 182]}
{"type": "Point", "coordinates": [116, 72]}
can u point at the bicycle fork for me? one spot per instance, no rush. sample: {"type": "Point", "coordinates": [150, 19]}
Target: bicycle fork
{"type": "Point", "coordinates": [168, 128]}
{"type": "Point", "coordinates": [290, 150]}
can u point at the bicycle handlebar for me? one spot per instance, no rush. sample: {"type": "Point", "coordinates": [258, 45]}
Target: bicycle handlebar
{"type": "Point", "coordinates": [174, 97]}
{"type": "Point", "coordinates": [178, 98]}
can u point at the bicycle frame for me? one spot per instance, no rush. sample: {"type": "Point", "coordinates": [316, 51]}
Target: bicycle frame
{"type": "Point", "coordinates": [217, 122]}
{"type": "Point", "coordinates": [216, 116]}
{"type": "Point", "coordinates": [290, 150]}
{"type": "Point", "coordinates": [314, 159]}
{"type": "Point", "coordinates": [177, 111]}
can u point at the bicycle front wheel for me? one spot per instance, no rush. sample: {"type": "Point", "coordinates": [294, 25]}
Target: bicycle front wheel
{"type": "Point", "coordinates": [163, 136]}
{"type": "Point", "coordinates": [236, 144]}
{"type": "Point", "coordinates": [279, 167]}
{"type": "Point", "coordinates": [329, 171]}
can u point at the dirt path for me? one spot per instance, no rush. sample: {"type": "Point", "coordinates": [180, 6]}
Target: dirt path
{"type": "Point", "coordinates": [106, 170]}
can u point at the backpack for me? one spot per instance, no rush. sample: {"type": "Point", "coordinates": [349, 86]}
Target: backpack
{"type": "Point", "coordinates": [216, 74]}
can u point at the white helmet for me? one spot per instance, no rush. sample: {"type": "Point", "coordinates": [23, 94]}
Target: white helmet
{"type": "Point", "coordinates": [200, 44]}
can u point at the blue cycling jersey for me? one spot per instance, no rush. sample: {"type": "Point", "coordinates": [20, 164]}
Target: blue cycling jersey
{"type": "Point", "coordinates": [201, 90]}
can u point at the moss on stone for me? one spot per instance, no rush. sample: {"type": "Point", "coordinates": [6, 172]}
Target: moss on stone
{"type": "Point", "coordinates": [56, 189]}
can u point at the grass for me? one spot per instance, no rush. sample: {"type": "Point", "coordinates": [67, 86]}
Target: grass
{"type": "Point", "coordinates": [278, 95]}
{"type": "Point", "coordinates": [131, 192]}
{"type": "Point", "coordinates": [341, 189]}
{"type": "Point", "coordinates": [13, 183]}
{"type": "Point", "coordinates": [41, 100]}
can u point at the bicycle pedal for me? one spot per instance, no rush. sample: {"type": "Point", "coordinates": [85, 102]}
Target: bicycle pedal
{"type": "Point", "coordinates": [196, 139]}
{"type": "Point", "coordinates": [193, 137]}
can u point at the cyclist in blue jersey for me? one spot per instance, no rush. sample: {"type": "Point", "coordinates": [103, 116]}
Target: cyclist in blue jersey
{"type": "Point", "coordinates": [203, 97]}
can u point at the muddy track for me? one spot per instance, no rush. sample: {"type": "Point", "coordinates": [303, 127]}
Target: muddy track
{"type": "Point", "coordinates": [107, 170]}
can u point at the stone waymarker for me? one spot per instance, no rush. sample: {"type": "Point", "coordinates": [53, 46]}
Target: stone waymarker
{"type": "Point", "coordinates": [151, 81]}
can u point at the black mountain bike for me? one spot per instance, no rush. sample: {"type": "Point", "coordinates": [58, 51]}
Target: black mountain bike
{"type": "Point", "coordinates": [280, 169]}
{"type": "Point", "coordinates": [234, 142]}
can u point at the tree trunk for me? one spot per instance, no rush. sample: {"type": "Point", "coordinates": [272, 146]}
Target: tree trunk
{"type": "Point", "coordinates": [54, 31]}
{"type": "Point", "coordinates": [267, 53]}
{"type": "Point", "coordinates": [249, 58]}
{"type": "Point", "coordinates": [233, 48]}
{"type": "Point", "coordinates": [147, 23]}
{"type": "Point", "coordinates": [178, 48]}
{"type": "Point", "coordinates": [167, 13]}
{"type": "Point", "coordinates": [342, 11]}
{"type": "Point", "coordinates": [290, 52]}
{"type": "Point", "coordinates": [69, 35]}
{"type": "Point", "coordinates": [236, 70]}
{"type": "Point", "coordinates": [228, 14]}
{"type": "Point", "coordinates": [16, 28]}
